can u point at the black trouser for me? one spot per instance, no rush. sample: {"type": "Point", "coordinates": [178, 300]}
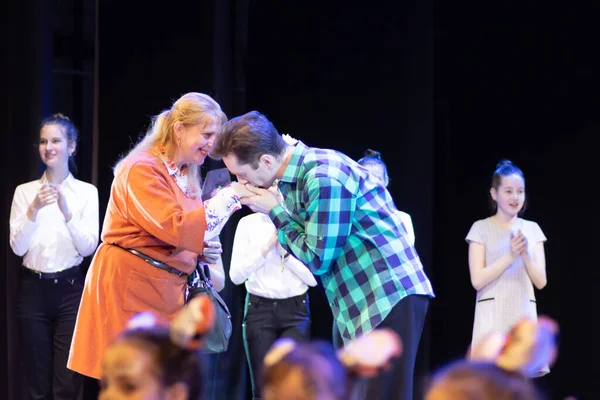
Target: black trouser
{"type": "Point", "coordinates": [91, 388]}
{"type": "Point", "coordinates": [266, 320]}
{"type": "Point", "coordinates": [46, 312]}
{"type": "Point", "coordinates": [396, 383]}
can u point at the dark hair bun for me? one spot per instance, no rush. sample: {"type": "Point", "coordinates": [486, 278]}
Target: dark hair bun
{"type": "Point", "coordinates": [372, 153]}
{"type": "Point", "coordinates": [61, 116]}
{"type": "Point", "coordinates": [504, 163]}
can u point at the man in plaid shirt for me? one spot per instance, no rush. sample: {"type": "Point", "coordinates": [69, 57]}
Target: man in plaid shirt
{"type": "Point", "coordinates": [340, 222]}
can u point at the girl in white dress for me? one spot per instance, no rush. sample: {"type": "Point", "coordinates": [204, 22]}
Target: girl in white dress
{"type": "Point", "coordinates": [506, 258]}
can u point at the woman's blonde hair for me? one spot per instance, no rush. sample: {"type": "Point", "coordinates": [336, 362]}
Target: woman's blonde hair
{"type": "Point", "coordinates": [190, 109]}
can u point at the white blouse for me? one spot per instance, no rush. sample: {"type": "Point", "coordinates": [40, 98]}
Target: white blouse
{"type": "Point", "coordinates": [50, 244]}
{"type": "Point", "coordinates": [271, 276]}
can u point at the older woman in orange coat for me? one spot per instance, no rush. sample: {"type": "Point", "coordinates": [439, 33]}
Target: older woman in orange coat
{"type": "Point", "coordinates": [155, 210]}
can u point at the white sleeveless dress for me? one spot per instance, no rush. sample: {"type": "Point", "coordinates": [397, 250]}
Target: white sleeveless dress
{"type": "Point", "coordinates": [509, 298]}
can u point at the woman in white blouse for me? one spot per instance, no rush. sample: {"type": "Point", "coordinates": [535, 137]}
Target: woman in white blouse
{"type": "Point", "coordinates": [53, 226]}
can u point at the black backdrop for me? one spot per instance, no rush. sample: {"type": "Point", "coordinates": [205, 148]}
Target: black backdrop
{"type": "Point", "coordinates": [443, 90]}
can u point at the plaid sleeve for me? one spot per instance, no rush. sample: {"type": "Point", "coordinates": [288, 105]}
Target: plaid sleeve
{"type": "Point", "coordinates": [330, 209]}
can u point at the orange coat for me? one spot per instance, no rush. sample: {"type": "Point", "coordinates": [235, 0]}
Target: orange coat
{"type": "Point", "coordinates": [147, 211]}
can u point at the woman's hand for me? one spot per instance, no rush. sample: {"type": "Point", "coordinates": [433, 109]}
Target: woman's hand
{"type": "Point", "coordinates": [62, 202]}
{"type": "Point", "coordinates": [211, 253]}
{"type": "Point", "coordinates": [525, 253]}
{"type": "Point", "coordinates": [240, 190]}
{"type": "Point", "coordinates": [45, 196]}
{"type": "Point", "coordinates": [261, 200]}
{"type": "Point", "coordinates": [518, 244]}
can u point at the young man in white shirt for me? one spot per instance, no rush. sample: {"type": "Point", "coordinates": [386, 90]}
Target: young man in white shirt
{"type": "Point", "coordinates": [276, 283]}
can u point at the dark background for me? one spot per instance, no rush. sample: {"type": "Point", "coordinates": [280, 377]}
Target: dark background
{"type": "Point", "coordinates": [442, 90]}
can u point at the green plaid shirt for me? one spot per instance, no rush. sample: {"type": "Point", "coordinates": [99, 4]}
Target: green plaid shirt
{"type": "Point", "coordinates": [341, 223]}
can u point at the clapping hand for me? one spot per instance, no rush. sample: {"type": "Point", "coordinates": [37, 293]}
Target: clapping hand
{"type": "Point", "coordinates": [528, 347]}
{"type": "Point", "coordinates": [62, 202]}
{"type": "Point", "coordinates": [518, 244]}
{"type": "Point", "coordinates": [45, 196]}
{"type": "Point", "coordinates": [211, 252]}
{"type": "Point", "coordinates": [372, 352]}
{"type": "Point", "coordinates": [365, 357]}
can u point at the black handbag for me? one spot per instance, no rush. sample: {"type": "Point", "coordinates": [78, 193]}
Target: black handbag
{"type": "Point", "coordinates": [217, 340]}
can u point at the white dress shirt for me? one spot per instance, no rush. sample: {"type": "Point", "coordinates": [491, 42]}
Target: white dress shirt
{"type": "Point", "coordinates": [50, 244]}
{"type": "Point", "coordinates": [268, 276]}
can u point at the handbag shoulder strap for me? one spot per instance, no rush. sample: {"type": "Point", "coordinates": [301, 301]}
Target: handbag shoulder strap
{"type": "Point", "coordinates": [204, 273]}
{"type": "Point", "coordinates": [155, 263]}
{"type": "Point", "coordinates": [207, 272]}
